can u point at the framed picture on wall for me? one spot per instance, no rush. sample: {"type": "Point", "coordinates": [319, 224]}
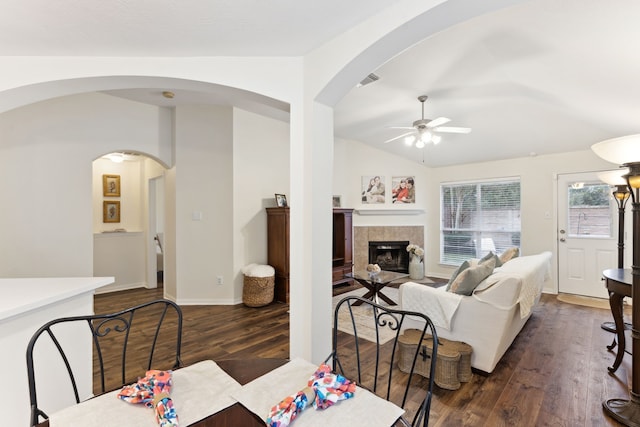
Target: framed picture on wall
{"type": "Point", "coordinates": [281, 200]}
{"type": "Point", "coordinates": [111, 211]}
{"type": "Point", "coordinates": [111, 185]}
{"type": "Point", "coordinates": [373, 191]}
{"type": "Point", "coordinates": [403, 189]}
{"type": "Point", "coordinates": [337, 201]}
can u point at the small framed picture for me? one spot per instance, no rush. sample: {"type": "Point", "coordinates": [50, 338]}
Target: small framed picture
{"type": "Point", "coordinates": [111, 185]}
{"type": "Point", "coordinates": [403, 189]}
{"type": "Point", "coordinates": [111, 211]}
{"type": "Point", "coordinates": [281, 200]}
{"type": "Point", "coordinates": [373, 190]}
{"type": "Point", "coordinates": [337, 201]}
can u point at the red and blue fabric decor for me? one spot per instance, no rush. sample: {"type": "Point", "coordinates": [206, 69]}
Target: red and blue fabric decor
{"type": "Point", "coordinates": [324, 388]}
{"type": "Point", "coordinates": [153, 391]}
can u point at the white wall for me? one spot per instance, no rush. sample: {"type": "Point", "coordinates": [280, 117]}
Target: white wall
{"type": "Point", "coordinates": [46, 155]}
{"type": "Point", "coordinates": [538, 196]}
{"type": "Point", "coordinates": [204, 203]}
{"type": "Point", "coordinates": [538, 187]}
{"type": "Point", "coordinates": [122, 256]}
{"type": "Point", "coordinates": [353, 160]}
{"type": "Point", "coordinates": [260, 169]}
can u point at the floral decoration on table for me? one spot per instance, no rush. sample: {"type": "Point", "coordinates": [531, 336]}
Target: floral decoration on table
{"type": "Point", "coordinates": [324, 388]}
{"type": "Point", "coordinates": [415, 252]}
{"type": "Point", "coordinates": [373, 269]}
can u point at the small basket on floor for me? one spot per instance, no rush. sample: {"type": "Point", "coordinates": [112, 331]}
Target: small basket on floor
{"type": "Point", "coordinates": [258, 286]}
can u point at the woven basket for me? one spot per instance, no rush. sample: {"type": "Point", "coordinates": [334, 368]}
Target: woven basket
{"type": "Point", "coordinates": [453, 364]}
{"type": "Point", "coordinates": [257, 291]}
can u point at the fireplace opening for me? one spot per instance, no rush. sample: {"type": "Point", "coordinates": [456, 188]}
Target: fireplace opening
{"type": "Point", "coordinates": [390, 255]}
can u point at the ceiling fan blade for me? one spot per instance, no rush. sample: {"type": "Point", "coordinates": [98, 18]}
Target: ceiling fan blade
{"type": "Point", "coordinates": [398, 137]}
{"type": "Point", "coordinates": [400, 127]}
{"type": "Point", "coordinates": [445, 129]}
{"type": "Point", "coordinates": [437, 122]}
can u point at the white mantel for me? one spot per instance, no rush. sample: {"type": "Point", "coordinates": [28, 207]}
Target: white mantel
{"type": "Point", "coordinates": [26, 304]}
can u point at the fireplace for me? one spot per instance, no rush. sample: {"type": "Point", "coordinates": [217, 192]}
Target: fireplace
{"type": "Point", "coordinates": [390, 255]}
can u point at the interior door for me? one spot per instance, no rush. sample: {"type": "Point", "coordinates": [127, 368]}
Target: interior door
{"type": "Point", "coordinates": [587, 234]}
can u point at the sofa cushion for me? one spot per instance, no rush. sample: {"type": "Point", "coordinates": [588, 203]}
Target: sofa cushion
{"type": "Point", "coordinates": [509, 254]}
{"type": "Point", "coordinates": [492, 256]}
{"type": "Point", "coordinates": [471, 277]}
{"type": "Point", "coordinates": [465, 265]}
{"type": "Point", "coordinates": [487, 257]}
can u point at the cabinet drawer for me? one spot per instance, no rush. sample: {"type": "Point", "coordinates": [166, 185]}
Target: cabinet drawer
{"type": "Point", "coordinates": [338, 273]}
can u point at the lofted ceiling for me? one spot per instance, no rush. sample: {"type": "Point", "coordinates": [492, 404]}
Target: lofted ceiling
{"type": "Point", "coordinates": [541, 77]}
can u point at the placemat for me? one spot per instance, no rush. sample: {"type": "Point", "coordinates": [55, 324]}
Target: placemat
{"type": "Point", "coordinates": [198, 391]}
{"type": "Point", "coordinates": [365, 408]}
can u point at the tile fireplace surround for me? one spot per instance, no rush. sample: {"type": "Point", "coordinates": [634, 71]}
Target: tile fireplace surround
{"type": "Point", "coordinates": [363, 235]}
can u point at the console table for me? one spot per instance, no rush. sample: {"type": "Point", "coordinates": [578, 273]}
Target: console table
{"type": "Point", "coordinates": [618, 282]}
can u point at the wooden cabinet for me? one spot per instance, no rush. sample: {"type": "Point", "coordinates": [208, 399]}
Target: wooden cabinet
{"type": "Point", "coordinates": [278, 248]}
{"type": "Point", "coordinates": [342, 262]}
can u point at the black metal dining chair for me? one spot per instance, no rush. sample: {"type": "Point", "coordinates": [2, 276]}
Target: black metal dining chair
{"type": "Point", "coordinates": [125, 345]}
{"type": "Point", "coordinates": [366, 349]}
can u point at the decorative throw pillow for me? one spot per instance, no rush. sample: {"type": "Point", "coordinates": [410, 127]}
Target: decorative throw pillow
{"type": "Point", "coordinates": [470, 278]}
{"type": "Point", "coordinates": [457, 272]}
{"type": "Point", "coordinates": [509, 254]}
{"type": "Point", "coordinates": [487, 257]}
{"type": "Point", "coordinates": [492, 256]}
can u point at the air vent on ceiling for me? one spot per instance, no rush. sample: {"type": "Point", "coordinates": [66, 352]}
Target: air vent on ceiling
{"type": "Point", "coordinates": [369, 79]}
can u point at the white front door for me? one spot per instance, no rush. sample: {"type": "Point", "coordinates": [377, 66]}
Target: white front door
{"type": "Point", "coordinates": [587, 234]}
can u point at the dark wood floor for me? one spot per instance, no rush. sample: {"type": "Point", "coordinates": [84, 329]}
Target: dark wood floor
{"type": "Point", "coordinates": [554, 374]}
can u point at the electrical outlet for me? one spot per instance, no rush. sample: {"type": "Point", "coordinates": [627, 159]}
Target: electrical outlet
{"type": "Point", "coordinates": [219, 280]}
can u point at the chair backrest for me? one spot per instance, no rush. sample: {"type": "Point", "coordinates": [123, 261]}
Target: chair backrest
{"type": "Point", "coordinates": [125, 345]}
{"type": "Point", "coordinates": [369, 347]}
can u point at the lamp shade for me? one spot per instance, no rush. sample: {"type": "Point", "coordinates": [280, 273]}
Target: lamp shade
{"type": "Point", "coordinates": [621, 151]}
{"type": "Point", "coordinates": [614, 177]}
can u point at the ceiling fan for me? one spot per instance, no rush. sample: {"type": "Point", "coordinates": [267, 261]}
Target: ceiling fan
{"type": "Point", "coordinates": [424, 130]}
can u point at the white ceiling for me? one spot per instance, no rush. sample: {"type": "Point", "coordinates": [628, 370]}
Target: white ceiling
{"type": "Point", "coordinates": [542, 77]}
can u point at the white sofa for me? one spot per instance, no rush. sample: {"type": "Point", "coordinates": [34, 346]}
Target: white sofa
{"type": "Point", "coordinates": [492, 316]}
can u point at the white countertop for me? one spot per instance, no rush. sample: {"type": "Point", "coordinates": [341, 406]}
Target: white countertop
{"type": "Point", "coordinates": [22, 295]}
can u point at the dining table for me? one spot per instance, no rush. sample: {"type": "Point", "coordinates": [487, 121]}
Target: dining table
{"type": "Point", "coordinates": [230, 393]}
{"type": "Point", "coordinates": [243, 371]}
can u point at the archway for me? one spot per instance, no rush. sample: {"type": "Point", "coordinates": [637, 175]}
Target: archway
{"type": "Point", "coordinates": [321, 77]}
{"type": "Point", "coordinates": [128, 219]}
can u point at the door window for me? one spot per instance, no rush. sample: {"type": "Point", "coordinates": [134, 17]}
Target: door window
{"type": "Point", "coordinates": [589, 212]}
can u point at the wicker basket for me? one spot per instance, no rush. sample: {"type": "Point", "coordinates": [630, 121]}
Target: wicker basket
{"type": "Point", "coordinates": [257, 291]}
{"type": "Point", "coordinates": [453, 364]}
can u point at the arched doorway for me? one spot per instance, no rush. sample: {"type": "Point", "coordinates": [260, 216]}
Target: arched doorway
{"type": "Point", "coordinates": [128, 219]}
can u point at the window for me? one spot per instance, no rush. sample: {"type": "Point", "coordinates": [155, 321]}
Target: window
{"type": "Point", "coordinates": [590, 210]}
{"type": "Point", "coordinates": [478, 217]}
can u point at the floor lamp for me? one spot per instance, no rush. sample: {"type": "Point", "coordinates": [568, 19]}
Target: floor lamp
{"type": "Point", "coordinates": [621, 194]}
{"type": "Point", "coordinates": [625, 151]}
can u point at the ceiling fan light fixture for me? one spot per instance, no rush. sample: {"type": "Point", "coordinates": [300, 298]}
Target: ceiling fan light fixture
{"type": "Point", "coordinates": [409, 140]}
{"type": "Point", "coordinates": [426, 131]}
{"type": "Point", "coordinates": [425, 136]}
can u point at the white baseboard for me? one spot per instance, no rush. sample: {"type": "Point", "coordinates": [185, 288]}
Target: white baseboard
{"type": "Point", "coordinates": [120, 287]}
